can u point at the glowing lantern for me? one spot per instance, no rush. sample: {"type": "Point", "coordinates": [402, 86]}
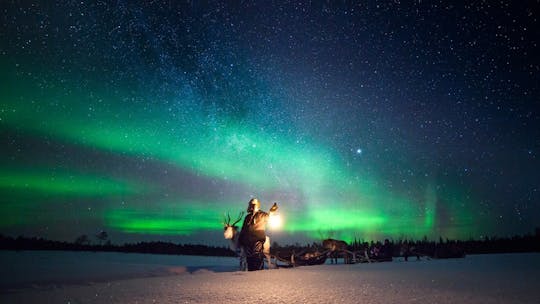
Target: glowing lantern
{"type": "Point", "coordinates": [274, 221]}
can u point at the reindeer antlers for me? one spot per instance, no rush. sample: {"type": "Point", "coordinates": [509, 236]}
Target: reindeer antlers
{"type": "Point", "coordinates": [227, 218]}
{"type": "Point", "coordinates": [240, 216]}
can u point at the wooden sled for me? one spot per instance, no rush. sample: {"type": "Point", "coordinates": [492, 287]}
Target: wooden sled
{"type": "Point", "coordinates": [302, 259]}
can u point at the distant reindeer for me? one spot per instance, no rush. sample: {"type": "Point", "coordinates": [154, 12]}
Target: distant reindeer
{"type": "Point", "coordinates": [336, 247]}
{"type": "Point", "coordinates": [231, 233]}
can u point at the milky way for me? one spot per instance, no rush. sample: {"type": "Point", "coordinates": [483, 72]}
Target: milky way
{"type": "Point", "coordinates": [150, 120]}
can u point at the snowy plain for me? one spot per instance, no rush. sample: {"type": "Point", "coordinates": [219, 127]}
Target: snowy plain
{"type": "Point", "coordinates": [92, 277]}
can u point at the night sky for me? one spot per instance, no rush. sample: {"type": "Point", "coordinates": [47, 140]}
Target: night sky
{"type": "Point", "coordinates": [151, 119]}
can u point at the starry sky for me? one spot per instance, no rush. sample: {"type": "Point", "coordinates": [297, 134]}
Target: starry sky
{"type": "Point", "coordinates": [369, 119]}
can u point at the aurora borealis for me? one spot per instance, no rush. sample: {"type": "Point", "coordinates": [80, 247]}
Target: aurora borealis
{"type": "Point", "coordinates": [150, 120]}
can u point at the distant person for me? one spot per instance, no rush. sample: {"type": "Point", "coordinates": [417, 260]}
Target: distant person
{"type": "Point", "coordinates": [253, 234]}
{"type": "Point", "coordinates": [386, 251]}
{"type": "Point", "coordinates": [405, 250]}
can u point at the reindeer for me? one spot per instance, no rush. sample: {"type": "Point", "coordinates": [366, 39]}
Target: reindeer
{"type": "Point", "coordinates": [336, 247]}
{"type": "Point", "coordinates": [231, 233]}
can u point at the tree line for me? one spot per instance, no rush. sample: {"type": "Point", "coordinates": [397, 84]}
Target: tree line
{"type": "Point", "coordinates": [82, 243]}
{"type": "Point", "coordinates": [443, 248]}
{"type": "Point", "coordinates": [515, 244]}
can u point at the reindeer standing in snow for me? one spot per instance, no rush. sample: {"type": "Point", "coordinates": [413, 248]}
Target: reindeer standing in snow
{"type": "Point", "coordinates": [231, 233]}
{"type": "Point", "coordinates": [336, 247]}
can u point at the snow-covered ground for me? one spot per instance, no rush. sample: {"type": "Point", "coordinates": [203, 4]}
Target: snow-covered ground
{"type": "Point", "coordinates": [41, 269]}
{"type": "Point", "coordinates": [71, 277]}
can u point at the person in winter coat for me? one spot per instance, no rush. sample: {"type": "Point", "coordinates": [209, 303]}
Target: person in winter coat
{"type": "Point", "coordinates": [253, 234]}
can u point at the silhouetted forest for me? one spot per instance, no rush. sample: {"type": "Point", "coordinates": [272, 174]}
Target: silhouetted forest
{"type": "Point", "coordinates": [26, 243]}
{"type": "Point", "coordinates": [444, 248]}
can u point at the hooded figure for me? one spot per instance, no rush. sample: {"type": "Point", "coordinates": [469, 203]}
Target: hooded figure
{"type": "Point", "coordinates": [253, 234]}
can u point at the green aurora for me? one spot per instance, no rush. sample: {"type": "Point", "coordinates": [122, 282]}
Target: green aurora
{"type": "Point", "coordinates": [332, 200]}
{"type": "Point", "coordinates": [153, 121]}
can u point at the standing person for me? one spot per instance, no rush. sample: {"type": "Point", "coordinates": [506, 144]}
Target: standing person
{"type": "Point", "coordinates": [253, 234]}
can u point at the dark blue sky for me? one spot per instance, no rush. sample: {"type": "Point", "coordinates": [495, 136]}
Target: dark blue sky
{"type": "Point", "coordinates": [393, 115]}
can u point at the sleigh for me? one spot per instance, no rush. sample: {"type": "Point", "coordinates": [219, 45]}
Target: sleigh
{"type": "Point", "coordinates": [301, 259]}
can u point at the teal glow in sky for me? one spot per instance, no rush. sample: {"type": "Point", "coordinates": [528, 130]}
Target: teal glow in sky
{"type": "Point", "coordinates": [151, 122]}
